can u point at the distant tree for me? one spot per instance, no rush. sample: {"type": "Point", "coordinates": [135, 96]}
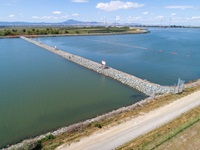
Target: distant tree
{"type": "Point", "coordinates": [7, 32]}
{"type": "Point", "coordinates": [43, 32]}
{"type": "Point", "coordinates": [24, 30]}
{"type": "Point", "coordinates": [108, 30]}
{"type": "Point", "coordinates": [56, 31]}
{"type": "Point", "coordinates": [29, 32]}
{"type": "Point", "coordinates": [66, 32]}
{"type": "Point", "coordinates": [77, 32]}
{"type": "Point", "coordinates": [14, 30]}
{"type": "Point", "coordinates": [37, 31]}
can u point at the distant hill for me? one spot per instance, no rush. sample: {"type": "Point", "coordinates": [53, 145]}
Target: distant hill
{"type": "Point", "coordinates": [22, 23]}
{"type": "Point", "coordinates": [69, 22]}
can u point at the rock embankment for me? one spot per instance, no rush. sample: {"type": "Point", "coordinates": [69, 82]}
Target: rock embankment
{"type": "Point", "coordinates": [141, 85]}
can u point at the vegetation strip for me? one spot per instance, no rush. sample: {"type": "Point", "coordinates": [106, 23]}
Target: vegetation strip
{"type": "Point", "coordinates": [178, 130]}
{"type": "Point", "coordinates": [12, 32]}
{"type": "Point", "coordinates": [159, 136]}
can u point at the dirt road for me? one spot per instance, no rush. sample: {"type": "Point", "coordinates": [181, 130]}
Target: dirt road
{"type": "Point", "coordinates": [118, 135]}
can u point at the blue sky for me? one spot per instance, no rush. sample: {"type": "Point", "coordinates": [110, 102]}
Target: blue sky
{"type": "Point", "coordinates": [178, 12]}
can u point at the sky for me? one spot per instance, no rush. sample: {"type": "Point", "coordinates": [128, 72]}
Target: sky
{"type": "Point", "coordinates": [149, 12]}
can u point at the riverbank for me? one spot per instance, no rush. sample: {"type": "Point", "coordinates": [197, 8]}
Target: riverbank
{"type": "Point", "coordinates": [180, 133]}
{"type": "Point", "coordinates": [77, 131]}
{"type": "Point", "coordinates": [112, 138]}
{"type": "Point", "coordinates": [55, 32]}
{"type": "Point", "coordinates": [60, 35]}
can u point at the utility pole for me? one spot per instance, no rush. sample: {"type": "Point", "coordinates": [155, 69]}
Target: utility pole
{"type": "Point", "coordinates": [180, 85]}
{"type": "Point", "coordinates": [170, 22]}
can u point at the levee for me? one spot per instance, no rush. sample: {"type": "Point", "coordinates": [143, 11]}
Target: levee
{"type": "Point", "coordinates": [141, 85]}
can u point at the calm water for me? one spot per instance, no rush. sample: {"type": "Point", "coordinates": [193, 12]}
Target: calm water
{"type": "Point", "coordinates": [40, 91]}
{"type": "Point", "coordinates": [162, 56]}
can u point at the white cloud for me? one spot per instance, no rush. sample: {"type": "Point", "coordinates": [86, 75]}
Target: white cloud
{"type": "Point", "coordinates": [131, 19]}
{"type": "Point", "coordinates": [64, 17]}
{"type": "Point", "coordinates": [35, 17]}
{"type": "Point", "coordinates": [181, 19]}
{"type": "Point", "coordinates": [56, 12]}
{"type": "Point", "coordinates": [49, 17]}
{"type": "Point", "coordinates": [79, 1]}
{"type": "Point", "coordinates": [180, 7]}
{"type": "Point", "coordinates": [159, 17]}
{"type": "Point", "coordinates": [145, 13]}
{"type": "Point", "coordinates": [45, 17]}
{"type": "Point", "coordinates": [117, 18]}
{"type": "Point", "coordinates": [173, 14]}
{"type": "Point", "coordinates": [115, 5]}
{"type": "Point", "coordinates": [10, 16]}
{"type": "Point", "coordinates": [75, 15]}
{"type": "Point", "coordinates": [195, 18]}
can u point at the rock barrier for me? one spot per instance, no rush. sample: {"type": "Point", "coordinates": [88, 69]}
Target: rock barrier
{"type": "Point", "coordinates": [141, 85]}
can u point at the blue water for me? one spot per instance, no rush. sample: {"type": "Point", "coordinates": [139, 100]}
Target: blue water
{"type": "Point", "coordinates": [41, 91]}
{"type": "Point", "coordinates": [161, 56]}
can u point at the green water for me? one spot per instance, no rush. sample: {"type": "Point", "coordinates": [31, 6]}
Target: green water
{"type": "Point", "coordinates": [40, 91]}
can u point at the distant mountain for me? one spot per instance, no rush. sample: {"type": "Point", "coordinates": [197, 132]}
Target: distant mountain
{"type": "Point", "coordinates": [23, 23]}
{"type": "Point", "coordinates": [66, 23]}
{"type": "Point", "coordinates": [76, 22]}
{"type": "Point", "coordinates": [71, 21]}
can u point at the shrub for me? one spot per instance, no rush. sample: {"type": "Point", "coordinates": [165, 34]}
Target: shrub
{"type": "Point", "coordinates": [96, 124]}
{"type": "Point", "coordinates": [48, 137]}
{"type": "Point", "coordinates": [34, 145]}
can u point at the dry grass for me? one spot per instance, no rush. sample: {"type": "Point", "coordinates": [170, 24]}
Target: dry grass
{"type": "Point", "coordinates": [77, 134]}
{"type": "Point", "coordinates": [161, 138]}
{"type": "Point", "coordinates": [188, 139]}
{"type": "Point", "coordinates": [157, 138]}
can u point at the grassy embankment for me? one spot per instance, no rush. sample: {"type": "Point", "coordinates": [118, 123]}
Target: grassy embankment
{"type": "Point", "coordinates": [34, 31]}
{"type": "Point", "coordinates": [181, 133]}
{"type": "Point", "coordinates": [149, 141]}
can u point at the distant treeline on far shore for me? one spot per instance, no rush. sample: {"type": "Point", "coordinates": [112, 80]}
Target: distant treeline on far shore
{"type": "Point", "coordinates": [16, 31]}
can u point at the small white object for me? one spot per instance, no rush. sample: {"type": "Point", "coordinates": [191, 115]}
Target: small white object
{"type": "Point", "coordinates": [103, 62]}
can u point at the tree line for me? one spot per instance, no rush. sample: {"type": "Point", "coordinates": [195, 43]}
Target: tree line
{"type": "Point", "coordinates": [59, 30]}
{"type": "Point", "coordinates": [32, 31]}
